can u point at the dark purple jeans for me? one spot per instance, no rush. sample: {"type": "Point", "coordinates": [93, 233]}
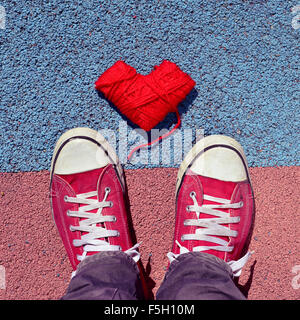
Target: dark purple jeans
{"type": "Point", "coordinates": [115, 276]}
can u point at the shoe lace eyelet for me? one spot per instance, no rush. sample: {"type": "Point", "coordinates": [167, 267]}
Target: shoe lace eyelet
{"type": "Point", "coordinates": [192, 194]}
{"type": "Point", "coordinates": [107, 189]}
{"type": "Point", "coordinates": [188, 209]}
{"type": "Point", "coordinates": [110, 204]}
{"type": "Point", "coordinates": [66, 198]}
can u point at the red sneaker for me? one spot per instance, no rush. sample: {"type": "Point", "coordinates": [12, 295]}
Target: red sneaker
{"type": "Point", "coordinates": [214, 202]}
{"type": "Point", "coordinates": [87, 196]}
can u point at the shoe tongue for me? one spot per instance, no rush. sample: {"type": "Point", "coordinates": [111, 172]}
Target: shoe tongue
{"type": "Point", "coordinates": [217, 188]}
{"type": "Point", "coordinates": [83, 182]}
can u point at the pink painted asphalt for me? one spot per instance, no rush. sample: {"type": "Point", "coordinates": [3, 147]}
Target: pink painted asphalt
{"type": "Point", "coordinates": [37, 267]}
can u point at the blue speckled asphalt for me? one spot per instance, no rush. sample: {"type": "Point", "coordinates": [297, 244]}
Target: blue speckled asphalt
{"type": "Point", "coordinates": [243, 55]}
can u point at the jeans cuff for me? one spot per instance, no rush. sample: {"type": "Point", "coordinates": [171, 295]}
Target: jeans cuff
{"type": "Point", "coordinates": [102, 257]}
{"type": "Point", "coordinates": [201, 256]}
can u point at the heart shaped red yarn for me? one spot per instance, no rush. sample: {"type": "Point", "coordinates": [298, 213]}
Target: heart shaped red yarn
{"type": "Point", "coordinates": [145, 99]}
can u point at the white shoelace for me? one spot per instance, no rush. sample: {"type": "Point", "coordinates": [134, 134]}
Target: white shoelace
{"type": "Point", "coordinates": [212, 227]}
{"type": "Point", "coordinates": [90, 241]}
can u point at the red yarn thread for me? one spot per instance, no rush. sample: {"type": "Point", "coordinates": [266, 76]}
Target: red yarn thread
{"type": "Point", "coordinates": [146, 100]}
{"type": "Point", "coordinates": [158, 139]}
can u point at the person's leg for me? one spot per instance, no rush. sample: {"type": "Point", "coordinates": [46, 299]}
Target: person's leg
{"type": "Point", "coordinates": [106, 276]}
{"type": "Point", "coordinates": [214, 219]}
{"type": "Point", "coordinates": [198, 276]}
{"type": "Point", "coordinates": [88, 205]}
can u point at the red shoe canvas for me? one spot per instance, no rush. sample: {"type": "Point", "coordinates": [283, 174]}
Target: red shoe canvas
{"type": "Point", "coordinates": [87, 196]}
{"type": "Point", "coordinates": [214, 202]}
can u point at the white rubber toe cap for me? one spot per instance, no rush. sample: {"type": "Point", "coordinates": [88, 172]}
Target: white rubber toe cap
{"type": "Point", "coordinates": [80, 150]}
{"type": "Point", "coordinates": [218, 157]}
{"type": "Point", "coordinates": [80, 155]}
{"type": "Point", "coordinates": [220, 163]}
